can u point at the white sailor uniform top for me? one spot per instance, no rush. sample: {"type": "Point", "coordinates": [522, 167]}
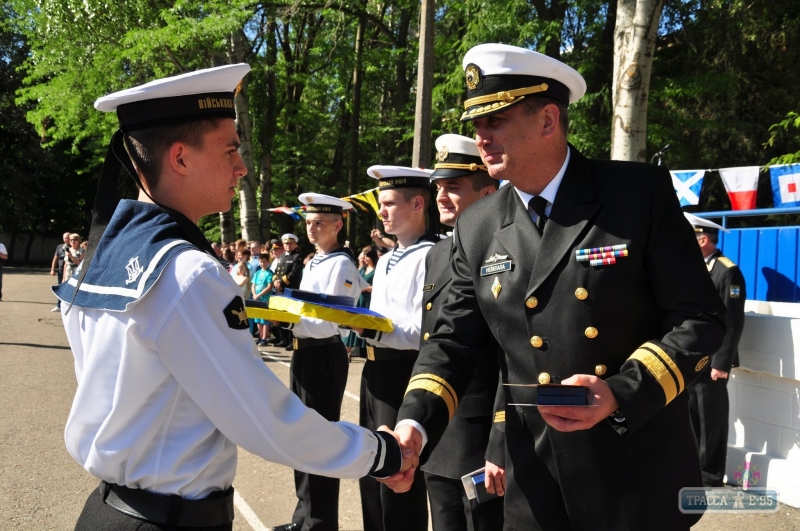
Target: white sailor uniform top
{"type": "Point", "coordinates": [397, 294]}
{"type": "Point", "coordinates": [331, 274]}
{"type": "Point", "coordinates": [169, 383]}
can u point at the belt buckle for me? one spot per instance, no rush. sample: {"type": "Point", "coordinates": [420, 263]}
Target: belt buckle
{"type": "Point", "coordinates": [295, 343]}
{"type": "Point", "coordinates": [370, 353]}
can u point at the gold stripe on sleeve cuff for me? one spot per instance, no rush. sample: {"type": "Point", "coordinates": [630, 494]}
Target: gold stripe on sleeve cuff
{"type": "Point", "coordinates": [668, 362]}
{"type": "Point", "coordinates": [285, 279]}
{"type": "Point", "coordinates": [659, 372]}
{"type": "Point", "coordinates": [500, 416]}
{"type": "Point", "coordinates": [437, 386]}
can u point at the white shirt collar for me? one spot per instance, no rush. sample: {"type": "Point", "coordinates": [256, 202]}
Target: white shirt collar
{"type": "Point", "coordinates": [550, 190]}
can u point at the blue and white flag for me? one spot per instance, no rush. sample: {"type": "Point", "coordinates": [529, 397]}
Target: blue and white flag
{"type": "Point", "coordinates": [687, 185]}
{"type": "Point", "coordinates": [785, 185]}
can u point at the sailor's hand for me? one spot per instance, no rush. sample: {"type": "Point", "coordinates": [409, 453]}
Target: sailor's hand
{"type": "Point", "coordinates": [410, 446]}
{"type": "Point", "coordinates": [495, 479]}
{"type": "Point", "coordinates": [716, 374]}
{"type": "Point", "coordinates": [582, 418]}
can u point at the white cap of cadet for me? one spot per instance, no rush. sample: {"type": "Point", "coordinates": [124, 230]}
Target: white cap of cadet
{"type": "Point", "coordinates": [325, 204]}
{"type": "Point", "coordinates": [499, 75]}
{"type": "Point", "coordinates": [456, 156]}
{"type": "Point", "coordinates": [391, 177]}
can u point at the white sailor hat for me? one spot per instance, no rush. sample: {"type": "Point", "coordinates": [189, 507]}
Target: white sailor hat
{"type": "Point", "coordinates": [390, 177]}
{"type": "Point", "coordinates": [702, 225]}
{"type": "Point", "coordinates": [499, 75]}
{"type": "Point", "coordinates": [288, 237]}
{"type": "Point", "coordinates": [456, 156]}
{"type": "Point", "coordinates": [325, 204]}
{"type": "Point", "coordinates": [205, 93]}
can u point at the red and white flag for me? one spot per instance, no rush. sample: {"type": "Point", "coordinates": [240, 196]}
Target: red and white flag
{"type": "Point", "coordinates": [741, 185]}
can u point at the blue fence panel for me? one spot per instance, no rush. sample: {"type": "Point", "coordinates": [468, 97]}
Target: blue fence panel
{"type": "Point", "coordinates": [768, 258]}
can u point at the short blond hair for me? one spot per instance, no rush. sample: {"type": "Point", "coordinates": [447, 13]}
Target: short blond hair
{"type": "Point", "coordinates": [75, 235]}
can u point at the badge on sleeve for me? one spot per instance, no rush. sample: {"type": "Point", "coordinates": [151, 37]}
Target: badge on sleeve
{"type": "Point", "coordinates": [236, 315]}
{"type": "Point", "coordinates": [736, 291]}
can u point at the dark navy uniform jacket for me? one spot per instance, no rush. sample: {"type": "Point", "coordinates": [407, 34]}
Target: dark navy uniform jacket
{"type": "Point", "coordinates": [647, 324]}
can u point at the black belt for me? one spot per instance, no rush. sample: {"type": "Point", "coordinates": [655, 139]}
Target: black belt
{"type": "Point", "coordinates": [383, 354]}
{"type": "Point", "coordinates": [172, 510]}
{"type": "Point", "coordinates": [299, 342]}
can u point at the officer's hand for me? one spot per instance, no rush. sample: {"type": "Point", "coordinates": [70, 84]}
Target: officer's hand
{"type": "Point", "coordinates": [358, 331]}
{"type": "Point", "coordinates": [582, 418]}
{"type": "Point", "coordinates": [402, 481]}
{"type": "Point", "coordinates": [716, 373]}
{"type": "Point", "coordinates": [495, 479]}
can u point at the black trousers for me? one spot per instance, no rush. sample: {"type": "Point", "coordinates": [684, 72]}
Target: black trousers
{"type": "Point", "coordinates": [97, 516]}
{"type": "Point", "coordinates": [451, 510]}
{"type": "Point", "coordinates": [709, 406]}
{"type": "Point", "coordinates": [383, 384]}
{"type": "Point", "coordinates": [318, 376]}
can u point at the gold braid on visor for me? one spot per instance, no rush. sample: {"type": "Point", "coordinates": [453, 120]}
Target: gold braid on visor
{"type": "Point", "coordinates": [506, 96]}
{"type": "Point", "coordinates": [470, 167]}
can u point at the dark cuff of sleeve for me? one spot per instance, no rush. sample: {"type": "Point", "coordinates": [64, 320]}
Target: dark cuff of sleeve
{"type": "Point", "coordinates": [388, 459]}
{"type": "Point", "coordinates": [369, 333]}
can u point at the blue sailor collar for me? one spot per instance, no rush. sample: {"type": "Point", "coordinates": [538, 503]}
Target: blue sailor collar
{"type": "Point", "coordinates": [140, 240]}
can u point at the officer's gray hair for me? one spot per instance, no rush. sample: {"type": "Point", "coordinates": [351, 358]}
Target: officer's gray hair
{"type": "Point", "coordinates": [535, 104]}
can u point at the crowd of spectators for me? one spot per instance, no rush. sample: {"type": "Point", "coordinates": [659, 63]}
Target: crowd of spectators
{"type": "Point", "coordinates": [67, 259]}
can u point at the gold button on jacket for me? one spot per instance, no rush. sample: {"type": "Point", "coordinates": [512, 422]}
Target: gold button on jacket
{"type": "Point", "coordinates": [544, 378]}
{"type": "Point", "coordinates": [426, 336]}
{"type": "Point", "coordinates": [581, 294]}
{"type": "Point", "coordinates": [600, 370]}
{"type": "Point", "coordinates": [591, 332]}
{"type": "Point", "coordinates": [532, 302]}
{"type": "Point", "coordinates": [428, 306]}
{"type": "Point", "coordinates": [536, 342]}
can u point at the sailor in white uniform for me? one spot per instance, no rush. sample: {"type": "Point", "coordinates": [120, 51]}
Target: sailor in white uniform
{"type": "Point", "coordinates": [169, 380]}
{"type": "Point", "coordinates": [319, 363]}
{"type": "Point", "coordinates": [404, 196]}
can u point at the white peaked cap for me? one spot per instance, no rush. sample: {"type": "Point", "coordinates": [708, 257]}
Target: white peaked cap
{"type": "Point", "coordinates": [288, 236]}
{"type": "Point", "coordinates": [697, 221]}
{"type": "Point", "coordinates": [457, 144]}
{"type": "Point", "coordinates": [379, 172]}
{"type": "Point", "coordinates": [322, 199]}
{"type": "Point", "coordinates": [501, 59]}
{"type": "Point", "coordinates": [208, 81]}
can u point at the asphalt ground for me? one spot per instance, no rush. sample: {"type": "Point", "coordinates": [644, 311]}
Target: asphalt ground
{"type": "Point", "coordinates": [42, 487]}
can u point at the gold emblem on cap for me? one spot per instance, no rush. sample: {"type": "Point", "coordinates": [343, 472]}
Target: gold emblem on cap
{"type": "Point", "coordinates": [310, 200]}
{"type": "Point", "coordinates": [531, 302]}
{"type": "Point", "coordinates": [701, 364]}
{"type": "Point", "coordinates": [581, 294]}
{"type": "Point", "coordinates": [591, 332]}
{"type": "Point", "coordinates": [544, 378]}
{"type": "Point", "coordinates": [536, 342]}
{"type": "Point", "coordinates": [377, 174]}
{"type": "Point", "coordinates": [600, 370]}
{"type": "Point", "coordinates": [238, 89]}
{"type": "Point", "coordinates": [496, 287]}
{"type": "Point", "coordinates": [473, 75]}
{"type": "Point", "coordinates": [442, 154]}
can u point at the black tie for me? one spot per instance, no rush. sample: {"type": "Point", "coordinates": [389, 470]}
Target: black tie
{"type": "Point", "coordinates": [537, 205]}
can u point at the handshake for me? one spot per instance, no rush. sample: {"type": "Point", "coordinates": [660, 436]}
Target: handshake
{"type": "Point", "coordinates": [410, 441]}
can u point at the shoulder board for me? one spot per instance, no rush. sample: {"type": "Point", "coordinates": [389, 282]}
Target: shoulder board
{"type": "Point", "coordinates": [727, 262]}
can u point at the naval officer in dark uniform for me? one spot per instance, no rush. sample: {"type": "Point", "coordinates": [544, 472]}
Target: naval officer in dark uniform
{"type": "Point", "coordinates": [708, 395]}
{"type": "Point", "coordinates": [288, 274]}
{"type": "Point", "coordinates": [585, 272]}
{"type": "Point", "coordinates": [460, 179]}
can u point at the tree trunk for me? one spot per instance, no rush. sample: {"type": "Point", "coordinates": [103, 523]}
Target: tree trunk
{"type": "Point", "coordinates": [634, 39]}
{"type": "Point", "coordinates": [402, 85]}
{"type": "Point", "coordinates": [421, 155]}
{"type": "Point", "coordinates": [355, 122]}
{"type": "Point", "coordinates": [227, 233]}
{"type": "Point", "coordinates": [248, 213]}
{"type": "Point", "coordinates": [265, 177]}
